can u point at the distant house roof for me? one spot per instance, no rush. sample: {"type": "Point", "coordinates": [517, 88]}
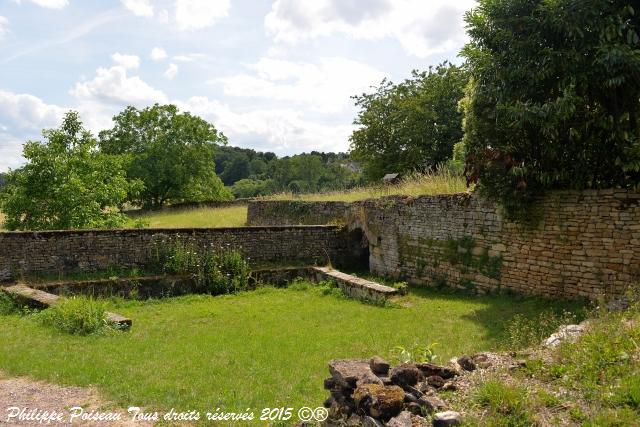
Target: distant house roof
{"type": "Point", "coordinates": [391, 178]}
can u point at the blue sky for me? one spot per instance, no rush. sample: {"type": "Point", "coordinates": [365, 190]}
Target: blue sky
{"type": "Point", "coordinates": [273, 75]}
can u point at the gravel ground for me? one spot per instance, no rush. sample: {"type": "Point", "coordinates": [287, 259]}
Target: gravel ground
{"type": "Point", "coordinates": [35, 398]}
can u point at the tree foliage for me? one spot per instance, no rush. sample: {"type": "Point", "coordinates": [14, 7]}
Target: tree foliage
{"type": "Point", "coordinates": [251, 173]}
{"type": "Point", "coordinates": [410, 126]}
{"type": "Point", "coordinates": [172, 153]}
{"type": "Point", "coordinates": [66, 183]}
{"type": "Point", "coordinates": [553, 101]}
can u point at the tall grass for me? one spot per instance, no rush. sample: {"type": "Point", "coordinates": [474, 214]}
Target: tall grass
{"type": "Point", "coordinates": [215, 272]}
{"type": "Point", "coordinates": [433, 183]}
{"type": "Point", "coordinates": [234, 216]}
{"type": "Point", "coordinates": [78, 315]}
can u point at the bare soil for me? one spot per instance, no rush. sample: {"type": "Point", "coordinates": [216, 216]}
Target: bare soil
{"type": "Point", "coordinates": [34, 398]}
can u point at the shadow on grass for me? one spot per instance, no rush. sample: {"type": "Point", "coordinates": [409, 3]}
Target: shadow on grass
{"type": "Point", "coordinates": [496, 311]}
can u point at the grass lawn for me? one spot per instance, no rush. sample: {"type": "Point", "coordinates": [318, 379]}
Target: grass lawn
{"type": "Point", "coordinates": [416, 185]}
{"type": "Point", "coordinates": [235, 216]}
{"type": "Point", "coordinates": [266, 348]}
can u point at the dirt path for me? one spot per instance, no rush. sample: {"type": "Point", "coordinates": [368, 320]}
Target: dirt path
{"type": "Point", "coordinates": [23, 401]}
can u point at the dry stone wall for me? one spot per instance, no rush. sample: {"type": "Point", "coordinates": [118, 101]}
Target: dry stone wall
{"type": "Point", "coordinates": [585, 244]}
{"type": "Point", "coordinates": [60, 252]}
{"type": "Point", "coordinates": [294, 212]}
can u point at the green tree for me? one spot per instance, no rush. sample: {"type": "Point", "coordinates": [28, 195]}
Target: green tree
{"type": "Point", "coordinates": [410, 126]}
{"type": "Point", "coordinates": [553, 101]}
{"type": "Point", "coordinates": [246, 188]}
{"type": "Point", "coordinates": [66, 183]}
{"type": "Point", "coordinates": [172, 153]}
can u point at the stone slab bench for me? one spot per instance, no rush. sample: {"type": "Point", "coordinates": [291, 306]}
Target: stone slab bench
{"type": "Point", "coordinates": [42, 299]}
{"type": "Point", "coordinates": [356, 287]}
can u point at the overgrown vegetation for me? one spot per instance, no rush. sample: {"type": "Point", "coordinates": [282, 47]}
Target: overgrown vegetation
{"type": "Point", "coordinates": [523, 332]}
{"type": "Point", "coordinates": [553, 98]}
{"type": "Point", "coordinates": [77, 315]}
{"type": "Point", "coordinates": [7, 304]}
{"type": "Point", "coordinates": [593, 381]}
{"type": "Point", "coordinates": [441, 181]}
{"type": "Point", "coordinates": [215, 272]}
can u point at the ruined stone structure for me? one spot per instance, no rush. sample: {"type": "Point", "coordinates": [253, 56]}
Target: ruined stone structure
{"type": "Point", "coordinates": [60, 252]}
{"type": "Point", "coordinates": [583, 244]}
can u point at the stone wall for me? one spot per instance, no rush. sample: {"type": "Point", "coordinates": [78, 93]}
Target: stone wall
{"type": "Point", "coordinates": [294, 212]}
{"type": "Point", "coordinates": [585, 244]}
{"type": "Point", "coordinates": [60, 252]}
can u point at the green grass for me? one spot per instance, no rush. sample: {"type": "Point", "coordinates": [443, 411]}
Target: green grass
{"type": "Point", "coordinates": [415, 185]}
{"type": "Point", "coordinates": [594, 381]}
{"type": "Point", "coordinates": [266, 348]}
{"type": "Point", "coordinates": [234, 216]}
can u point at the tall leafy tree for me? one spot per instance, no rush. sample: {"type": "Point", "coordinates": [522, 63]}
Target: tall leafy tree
{"type": "Point", "coordinates": [172, 153]}
{"type": "Point", "coordinates": [553, 101]}
{"type": "Point", "coordinates": [66, 183]}
{"type": "Point", "coordinates": [410, 126]}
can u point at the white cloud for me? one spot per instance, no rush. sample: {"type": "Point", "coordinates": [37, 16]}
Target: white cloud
{"type": "Point", "coordinates": [49, 4]}
{"type": "Point", "coordinates": [189, 57]}
{"type": "Point", "coordinates": [139, 7]}
{"type": "Point", "coordinates": [422, 28]}
{"type": "Point", "coordinates": [28, 112]}
{"type": "Point", "coordinates": [280, 130]}
{"type": "Point", "coordinates": [23, 116]}
{"type": "Point", "coordinates": [325, 87]}
{"type": "Point", "coordinates": [158, 54]}
{"type": "Point", "coordinates": [114, 86]}
{"type": "Point", "coordinates": [197, 14]}
{"type": "Point", "coordinates": [4, 27]}
{"type": "Point", "coordinates": [10, 151]}
{"type": "Point", "coordinates": [126, 61]}
{"type": "Point", "coordinates": [171, 72]}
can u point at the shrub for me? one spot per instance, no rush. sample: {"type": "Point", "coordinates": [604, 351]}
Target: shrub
{"type": "Point", "coordinates": [77, 315]}
{"type": "Point", "coordinates": [553, 98]}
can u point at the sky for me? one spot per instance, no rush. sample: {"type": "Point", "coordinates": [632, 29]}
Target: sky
{"type": "Point", "coordinates": [272, 75]}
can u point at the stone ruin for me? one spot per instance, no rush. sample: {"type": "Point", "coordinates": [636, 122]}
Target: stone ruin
{"type": "Point", "coordinates": [371, 393]}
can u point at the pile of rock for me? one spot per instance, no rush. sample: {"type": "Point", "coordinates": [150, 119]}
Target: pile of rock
{"type": "Point", "coordinates": [372, 393]}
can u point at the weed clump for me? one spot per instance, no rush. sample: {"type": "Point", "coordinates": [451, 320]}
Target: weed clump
{"type": "Point", "coordinates": [78, 315]}
{"type": "Point", "coordinates": [505, 402]}
{"type": "Point", "coordinates": [7, 305]}
{"type": "Point", "coordinates": [523, 332]}
{"type": "Point", "coordinates": [214, 272]}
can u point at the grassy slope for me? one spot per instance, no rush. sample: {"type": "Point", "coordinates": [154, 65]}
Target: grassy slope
{"type": "Point", "coordinates": [428, 184]}
{"type": "Point", "coordinates": [235, 216]}
{"type": "Point", "coordinates": [264, 348]}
